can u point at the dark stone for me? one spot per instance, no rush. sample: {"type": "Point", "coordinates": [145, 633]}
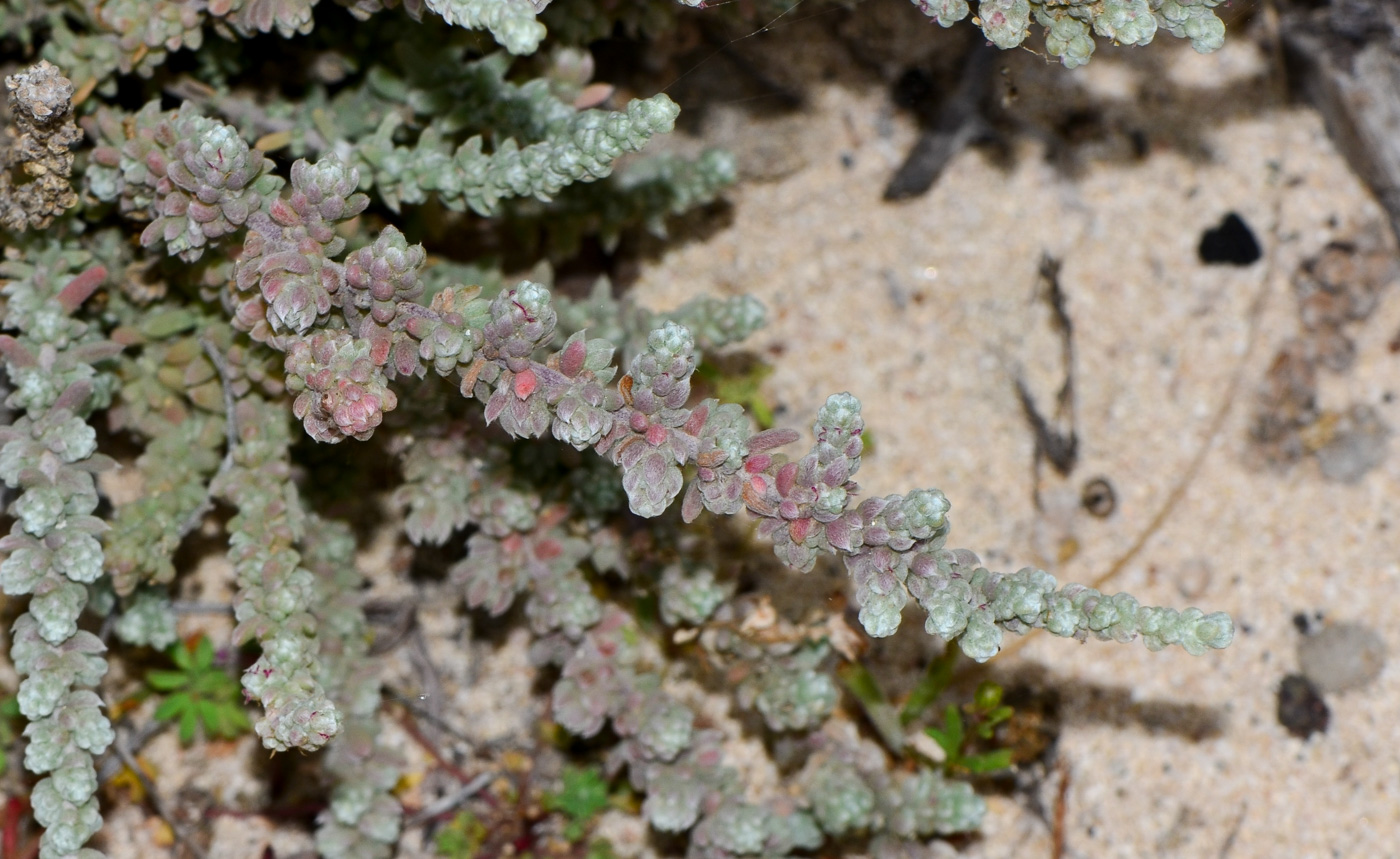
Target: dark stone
{"type": "Point", "coordinates": [1231, 243]}
{"type": "Point", "coordinates": [1301, 709]}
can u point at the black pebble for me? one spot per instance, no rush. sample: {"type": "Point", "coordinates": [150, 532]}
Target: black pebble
{"type": "Point", "coordinates": [1300, 707]}
{"type": "Point", "coordinates": [1231, 243]}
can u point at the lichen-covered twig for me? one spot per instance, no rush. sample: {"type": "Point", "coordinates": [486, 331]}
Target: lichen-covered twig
{"type": "Point", "coordinates": [36, 157]}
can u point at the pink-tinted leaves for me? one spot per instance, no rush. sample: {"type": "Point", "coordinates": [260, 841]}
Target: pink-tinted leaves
{"type": "Point", "coordinates": [769, 439]}
{"type": "Point", "coordinates": [758, 464]}
{"type": "Point", "coordinates": [696, 422]}
{"type": "Point", "coordinates": [525, 384]}
{"type": "Point", "coordinates": [692, 504]}
{"type": "Point", "coordinates": [81, 287]}
{"type": "Point", "coordinates": [495, 405]}
{"type": "Point", "coordinates": [15, 352]}
{"type": "Point", "coordinates": [573, 356]}
{"type": "Point", "coordinates": [787, 477]}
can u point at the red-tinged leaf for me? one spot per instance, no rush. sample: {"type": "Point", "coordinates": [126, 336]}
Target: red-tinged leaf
{"type": "Point", "coordinates": [654, 469]}
{"type": "Point", "coordinates": [693, 503]}
{"type": "Point", "coordinates": [91, 353]}
{"type": "Point", "coordinates": [15, 353]}
{"type": "Point", "coordinates": [74, 396]}
{"type": "Point", "coordinates": [81, 288]}
{"type": "Point", "coordinates": [753, 493]}
{"type": "Point", "coordinates": [769, 439]}
{"type": "Point", "coordinates": [758, 464]}
{"type": "Point", "coordinates": [711, 458]}
{"type": "Point", "coordinates": [787, 478]}
{"type": "Point", "coordinates": [525, 384]}
{"type": "Point", "coordinates": [656, 435]}
{"type": "Point", "coordinates": [283, 213]}
{"type": "Point", "coordinates": [548, 550]}
{"type": "Point", "coordinates": [495, 406]}
{"type": "Point", "coordinates": [838, 534]}
{"type": "Point", "coordinates": [572, 358]}
{"type": "Point", "coordinates": [798, 529]}
{"type": "Point", "coordinates": [696, 422]}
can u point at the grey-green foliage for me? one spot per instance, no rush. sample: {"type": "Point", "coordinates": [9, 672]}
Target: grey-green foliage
{"type": "Point", "coordinates": [242, 296]}
{"type": "Point", "coordinates": [511, 22]}
{"type": "Point", "coordinates": [1070, 25]}
{"type": "Point", "coordinates": [50, 454]}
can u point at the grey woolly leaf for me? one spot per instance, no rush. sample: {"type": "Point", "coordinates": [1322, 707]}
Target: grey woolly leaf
{"type": "Point", "coordinates": [56, 606]}
{"type": "Point", "coordinates": [880, 613]}
{"type": "Point", "coordinates": [1005, 22]}
{"type": "Point", "coordinates": [24, 569]}
{"type": "Point", "coordinates": [736, 827]}
{"type": "Point", "coordinates": [579, 709]}
{"type": "Point", "coordinates": [945, 12]}
{"type": "Point", "coordinates": [79, 557]}
{"type": "Point", "coordinates": [981, 640]}
{"type": "Point", "coordinates": [948, 609]}
{"type": "Point", "coordinates": [76, 778]}
{"type": "Point", "coordinates": [147, 619]}
{"type": "Point", "coordinates": [924, 803]}
{"type": "Point", "coordinates": [67, 826]}
{"type": "Point", "coordinates": [39, 693]}
{"type": "Point", "coordinates": [795, 700]}
{"type": "Point", "coordinates": [563, 603]}
{"type": "Point", "coordinates": [674, 794]}
{"type": "Point", "coordinates": [666, 728]}
{"type": "Point", "coordinates": [48, 744]}
{"type": "Point", "coordinates": [89, 728]}
{"type": "Point", "coordinates": [651, 484]}
{"type": "Point", "coordinates": [691, 597]}
{"type": "Point", "coordinates": [841, 799]}
{"type": "Point", "coordinates": [39, 509]}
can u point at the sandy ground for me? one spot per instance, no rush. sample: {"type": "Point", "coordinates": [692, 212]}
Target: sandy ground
{"type": "Point", "coordinates": [927, 310]}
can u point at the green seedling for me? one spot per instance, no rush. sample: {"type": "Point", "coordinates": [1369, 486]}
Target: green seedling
{"type": "Point", "coordinates": [199, 694]}
{"type": "Point", "coordinates": [960, 737]}
{"type": "Point", "coordinates": [583, 795]}
{"type": "Point", "coordinates": [462, 838]}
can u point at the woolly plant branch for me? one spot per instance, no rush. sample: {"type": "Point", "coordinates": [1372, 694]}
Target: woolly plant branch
{"type": "Point", "coordinates": [49, 453]}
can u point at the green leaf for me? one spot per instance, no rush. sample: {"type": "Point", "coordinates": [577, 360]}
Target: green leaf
{"type": "Point", "coordinates": [173, 706]}
{"type": "Point", "coordinates": [992, 719]}
{"type": "Point", "coordinates": [936, 679]}
{"type": "Point", "coordinates": [166, 681]}
{"type": "Point", "coordinates": [950, 738]}
{"type": "Point", "coordinates": [987, 762]}
{"type": "Point", "coordinates": [189, 723]}
{"type": "Point", "coordinates": [584, 793]}
{"type": "Point", "coordinates": [987, 696]}
{"type": "Point", "coordinates": [862, 684]}
{"type": "Point", "coordinates": [209, 716]}
{"type": "Point", "coordinates": [203, 654]}
{"type": "Point", "coordinates": [181, 656]}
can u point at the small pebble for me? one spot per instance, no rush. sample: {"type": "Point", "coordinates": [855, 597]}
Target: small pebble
{"type": "Point", "coordinates": [1231, 243]}
{"type": "Point", "coordinates": [1342, 656]}
{"type": "Point", "coordinates": [1300, 707]}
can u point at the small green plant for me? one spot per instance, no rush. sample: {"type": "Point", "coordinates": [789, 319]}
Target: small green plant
{"type": "Point", "coordinates": [583, 795]}
{"type": "Point", "coordinates": [461, 838]}
{"type": "Point", "coordinates": [199, 694]}
{"type": "Point", "coordinates": [960, 737]}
